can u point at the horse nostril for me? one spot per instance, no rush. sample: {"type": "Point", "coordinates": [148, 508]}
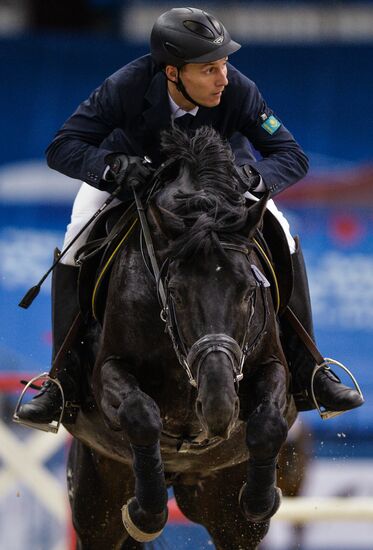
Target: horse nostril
{"type": "Point", "coordinates": [237, 408]}
{"type": "Point", "coordinates": [199, 410]}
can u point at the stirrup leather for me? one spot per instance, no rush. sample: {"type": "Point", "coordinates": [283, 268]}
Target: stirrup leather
{"type": "Point", "coordinates": [54, 425]}
{"type": "Point", "coordinates": [324, 413]}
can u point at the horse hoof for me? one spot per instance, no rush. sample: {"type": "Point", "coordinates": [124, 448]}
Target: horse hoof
{"type": "Point", "coordinates": [135, 519]}
{"type": "Point", "coordinates": [259, 517]}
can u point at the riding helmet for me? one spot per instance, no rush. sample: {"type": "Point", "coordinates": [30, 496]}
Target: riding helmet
{"type": "Point", "coordinates": [189, 35]}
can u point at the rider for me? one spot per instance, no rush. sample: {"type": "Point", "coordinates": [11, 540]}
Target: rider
{"type": "Point", "coordinates": [109, 134]}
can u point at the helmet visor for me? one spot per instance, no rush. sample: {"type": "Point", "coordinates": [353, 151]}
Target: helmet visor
{"type": "Point", "coordinates": [218, 53]}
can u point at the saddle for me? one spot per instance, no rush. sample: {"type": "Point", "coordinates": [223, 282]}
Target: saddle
{"type": "Point", "coordinates": [113, 228]}
{"type": "Point", "coordinates": [274, 253]}
{"type": "Point", "coordinates": [96, 257]}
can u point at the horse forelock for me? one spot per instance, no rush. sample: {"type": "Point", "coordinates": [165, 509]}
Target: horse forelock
{"type": "Point", "coordinates": [208, 201]}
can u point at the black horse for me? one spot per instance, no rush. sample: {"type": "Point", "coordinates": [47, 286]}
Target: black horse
{"type": "Point", "coordinates": [192, 394]}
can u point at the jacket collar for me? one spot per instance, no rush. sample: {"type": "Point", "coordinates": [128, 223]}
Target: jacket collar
{"type": "Point", "coordinates": [158, 115]}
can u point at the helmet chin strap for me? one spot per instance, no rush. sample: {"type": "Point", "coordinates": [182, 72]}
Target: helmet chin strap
{"type": "Point", "coordinates": [181, 88]}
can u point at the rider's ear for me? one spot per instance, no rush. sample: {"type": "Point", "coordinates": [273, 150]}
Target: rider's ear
{"type": "Point", "coordinates": [171, 73]}
{"type": "Point", "coordinates": [255, 215]}
{"type": "Point", "coordinates": [169, 225]}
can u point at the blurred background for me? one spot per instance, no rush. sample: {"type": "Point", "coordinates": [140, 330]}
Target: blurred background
{"type": "Point", "coordinates": [313, 62]}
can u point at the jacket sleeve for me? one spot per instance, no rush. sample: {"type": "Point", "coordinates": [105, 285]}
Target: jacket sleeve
{"type": "Point", "coordinates": [282, 161]}
{"type": "Point", "coordinates": [75, 151]}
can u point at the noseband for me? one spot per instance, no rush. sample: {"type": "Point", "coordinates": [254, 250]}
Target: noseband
{"type": "Point", "coordinates": [216, 342]}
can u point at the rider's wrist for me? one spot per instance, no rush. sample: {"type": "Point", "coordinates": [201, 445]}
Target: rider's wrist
{"type": "Point", "coordinates": [116, 163]}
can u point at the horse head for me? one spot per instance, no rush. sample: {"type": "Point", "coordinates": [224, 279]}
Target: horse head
{"type": "Point", "coordinates": [204, 228]}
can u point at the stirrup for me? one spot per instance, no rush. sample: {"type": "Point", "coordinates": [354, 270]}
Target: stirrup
{"type": "Point", "coordinates": [324, 413]}
{"type": "Point", "coordinates": [51, 427]}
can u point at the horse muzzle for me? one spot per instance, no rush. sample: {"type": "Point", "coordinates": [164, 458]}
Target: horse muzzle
{"type": "Point", "coordinates": [217, 404]}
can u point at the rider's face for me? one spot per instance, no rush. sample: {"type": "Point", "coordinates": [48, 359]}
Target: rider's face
{"type": "Point", "coordinates": [204, 82]}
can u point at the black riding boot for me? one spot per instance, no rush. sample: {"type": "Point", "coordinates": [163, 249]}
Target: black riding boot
{"type": "Point", "coordinates": [329, 391]}
{"type": "Point", "coordinates": [46, 405]}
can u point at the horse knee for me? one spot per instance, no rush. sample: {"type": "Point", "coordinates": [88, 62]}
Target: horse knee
{"type": "Point", "coordinates": [266, 431]}
{"type": "Point", "coordinates": [139, 416]}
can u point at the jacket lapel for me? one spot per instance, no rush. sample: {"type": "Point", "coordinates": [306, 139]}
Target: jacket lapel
{"type": "Point", "coordinates": [157, 116]}
{"type": "Point", "coordinates": [206, 117]}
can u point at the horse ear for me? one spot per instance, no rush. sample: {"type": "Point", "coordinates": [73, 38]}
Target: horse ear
{"type": "Point", "coordinates": [255, 215]}
{"type": "Point", "coordinates": [167, 223]}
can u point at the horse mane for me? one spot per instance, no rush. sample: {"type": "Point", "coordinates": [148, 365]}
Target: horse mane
{"type": "Point", "coordinates": [213, 208]}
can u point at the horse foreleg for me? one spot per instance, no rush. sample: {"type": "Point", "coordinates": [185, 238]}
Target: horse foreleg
{"type": "Point", "coordinates": [266, 431]}
{"type": "Point", "coordinates": [95, 498]}
{"type": "Point", "coordinates": [122, 401]}
{"type": "Point", "coordinates": [212, 502]}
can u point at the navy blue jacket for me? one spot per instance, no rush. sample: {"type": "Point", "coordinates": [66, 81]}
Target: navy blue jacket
{"type": "Point", "coordinates": [130, 109]}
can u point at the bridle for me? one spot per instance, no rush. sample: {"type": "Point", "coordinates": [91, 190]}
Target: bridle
{"type": "Point", "coordinates": [209, 343]}
{"type": "Point", "coordinates": [215, 342]}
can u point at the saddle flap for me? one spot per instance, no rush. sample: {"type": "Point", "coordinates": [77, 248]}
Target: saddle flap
{"type": "Point", "coordinates": [275, 241]}
{"type": "Point", "coordinates": [97, 257]}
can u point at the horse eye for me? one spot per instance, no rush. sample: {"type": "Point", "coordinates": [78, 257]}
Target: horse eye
{"type": "Point", "coordinates": [248, 295]}
{"type": "Point", "coordinates": [175, 295]}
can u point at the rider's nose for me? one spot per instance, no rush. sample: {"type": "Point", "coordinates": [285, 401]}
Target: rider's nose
{"type": "Point", "coordinates": [222, 79]}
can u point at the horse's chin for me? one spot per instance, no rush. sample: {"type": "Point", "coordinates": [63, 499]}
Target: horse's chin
{"type": "Point", "coordinates": [218, 422]}
{"type": "Point", "coordinates": [223, 436]}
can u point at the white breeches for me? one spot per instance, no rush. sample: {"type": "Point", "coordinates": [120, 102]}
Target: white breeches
{"type": "Point", "coordinates": [281, 219]}
{"type": "Point", "coordinates": [88, 201]}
